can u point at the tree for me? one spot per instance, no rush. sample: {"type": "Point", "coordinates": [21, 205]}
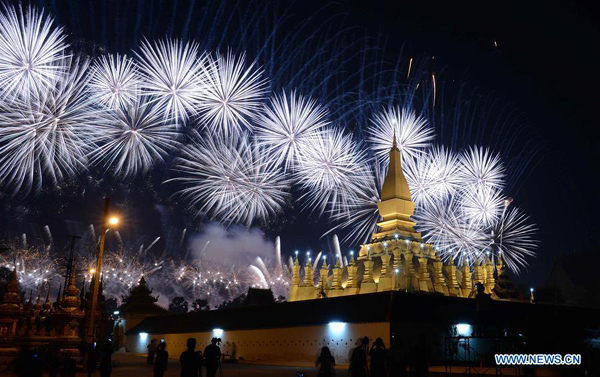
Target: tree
{"type": "Point", "coordinates": [200, 304]}
{"type": "Point", "coordinates": [178, 305]}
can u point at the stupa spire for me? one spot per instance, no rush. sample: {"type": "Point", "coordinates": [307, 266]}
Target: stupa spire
{"type": "Point", "coordinates": [396, 206]}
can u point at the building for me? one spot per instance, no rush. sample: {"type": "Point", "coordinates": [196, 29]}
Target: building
{"type": "Point", "coordinates": [294, 332]}
{"type": "Point", "coordinates": [398, 259]}
{"type": "Point", "coordinates": [138, 305]}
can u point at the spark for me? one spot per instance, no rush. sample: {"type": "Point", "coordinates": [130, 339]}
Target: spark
{"type": "Point", "coordinates": [481, 169]}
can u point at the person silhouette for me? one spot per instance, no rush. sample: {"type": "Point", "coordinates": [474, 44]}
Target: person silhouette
{"type": "Point", "coordinates": [482, 302]}
{"type": "Point", "coordinates": [190, 360]}
{"type": "Point", "coordinates": [378, 354]}
{"type": "Point", "coordinates": [212, 357]}
{"type": "Point", "coordinates": [162, 360]}
{"type": "Point", "coordinates": [325, 363]}
{"type": "Point", "coordinates": [151, 351]}
{"type": "Point", "coordinates": [358, 360]}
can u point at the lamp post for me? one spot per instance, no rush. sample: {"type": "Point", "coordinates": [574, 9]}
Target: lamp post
{"type": "Point", "coordinates": [98, 270]}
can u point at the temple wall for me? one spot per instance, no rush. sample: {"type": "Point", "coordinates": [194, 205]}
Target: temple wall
{"type": "Point", "coordinates": [288, 345]}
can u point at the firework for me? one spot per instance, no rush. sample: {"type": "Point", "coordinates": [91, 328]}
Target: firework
{"type": "Point", "coordinates": [452, 234]}
{"type": "Point", "coordinates": [31, 52]}
{"type": "Point", "coordinates": [231, 94]}
{"type": "Point", "coordinates": [482, 204]}
{"type": "Point", "coordinates": [115, 82]}
{"type": "Point", "coordinates": [513, 237]}
{"type": "Point", "coordinates": [285, 126]}
{"type": "Point", "coordinates": [412, 133]}
{"type": "Point", "coordinates": [171, 73]}
{"type": "Point", "coordinates": [480, 168]}
{"type": "Point", "coordinates": [36, 266]}
{"type": "Point", "coordinates": [432, 176]}
{"type": "Point", "coordinates": [232, 179]}
{"type": "Point", "coordinates": [358, 218]}
{"type": "Point", "coordinates": [47, 136]}
{"type": "Point", "coordinates": [134, 138]}
{"type": "Point", "coordinates": [331, 170]}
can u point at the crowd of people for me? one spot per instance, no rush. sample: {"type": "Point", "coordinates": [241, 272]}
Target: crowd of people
{"type": "Point", "coordinates": [378, 361]}
{"type": "Point", "coordinates": [191, 361]}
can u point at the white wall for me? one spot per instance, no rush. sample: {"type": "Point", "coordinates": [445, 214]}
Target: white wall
{"type": "Point", "coordinates": [288, 345]}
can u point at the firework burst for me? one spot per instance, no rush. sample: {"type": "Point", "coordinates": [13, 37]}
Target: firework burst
{"type": "Point", "coordinates": [412, 133]}
{"type": "Point", "coordinates": [48, 135]}
{"type": "Point", "coordinates": [134, 138]}
{"type": "Point", "coordinates": [231, 94]}
{"type": "Point", "coordinates": [513, 237]}
{"type": "Point", "coordinates": [432, 176]}
{"type": "Point", "coordinates": [171, 73]}
{"type": "Point", "coordinates": [285, 126]}
{"type": "Point", "coordinates": [331, 170]}
{"type": "Point", "coordinates": [31, 52]}
{"type": "Point", "coordinates": [480, 168]}
{"type": "Point", "coordinates": [115, 82]}
{"type": "Point", "coordinates": [232, 179]}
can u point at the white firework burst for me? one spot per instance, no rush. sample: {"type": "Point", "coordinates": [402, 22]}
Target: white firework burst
{"type": "Point", "coordinates": [480, 168]}
{"type": "Point", "coordinates": [231, 179]}
{"type": "Point", "coordinates": [432, 176]}
{"type": "Point", "coordinates": [32, 52]}
{"type": "Point", "coordinates": [412, 132]}
{"type": "Point", "coordinates": [331, 171]}
{"type": "Point", "coordinates": [115, 82]}
{"type": "Point", "coordinates": [452, 234]}
{"type": "Point", "coordinates": [285, 126]}
{"type": "Point", "coordinates": [482, 205]}
{"type": "Point", "coordinates": [358, 219]}
{"type": "Point", "coordinates": [171, 73]}
{"type": "Point", "coordinates": [231, 94]}
{"type": "Point", "coordinates": [132, 139]}
{"type": "Point", "coordinates": [48, 135]}
{"type": "Point", "coordinates": [513, 237]}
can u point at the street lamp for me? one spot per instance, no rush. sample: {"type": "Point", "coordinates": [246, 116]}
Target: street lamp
{"type": "Point", "coordinates": [106, 220]}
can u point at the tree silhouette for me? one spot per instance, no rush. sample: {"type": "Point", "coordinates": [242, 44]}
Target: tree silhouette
{"type": "Point", "coordinates": [200, 304]}
{"type": "Point", "coordinates": [178, 305]}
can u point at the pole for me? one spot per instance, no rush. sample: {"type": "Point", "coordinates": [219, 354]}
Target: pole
{"type": "Point", "coordinates": [91, 334]}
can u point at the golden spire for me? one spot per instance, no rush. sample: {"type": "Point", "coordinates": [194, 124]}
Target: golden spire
{"type": "Point", "coordinates": [395, 184]}
{"type": "Point", "coordinates": [396, 206]}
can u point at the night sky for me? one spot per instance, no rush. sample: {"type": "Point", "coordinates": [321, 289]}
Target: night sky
{"type": "Point", "coordinates": [545, 68]}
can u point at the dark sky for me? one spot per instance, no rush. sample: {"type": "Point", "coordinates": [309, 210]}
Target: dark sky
{"type": "Point", "coordinates": [545, 66]}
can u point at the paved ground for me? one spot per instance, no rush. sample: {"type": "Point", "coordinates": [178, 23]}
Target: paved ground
{"type": "Point", "coordinates": [134, 366]}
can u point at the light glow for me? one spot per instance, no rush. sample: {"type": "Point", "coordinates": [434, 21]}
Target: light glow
{"type": "Point", "coordinates": [217, 333]}
{"type": "Point", "coordinates": [337, 327]}
{"type": "Point", "coordinates": [464, 329]}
